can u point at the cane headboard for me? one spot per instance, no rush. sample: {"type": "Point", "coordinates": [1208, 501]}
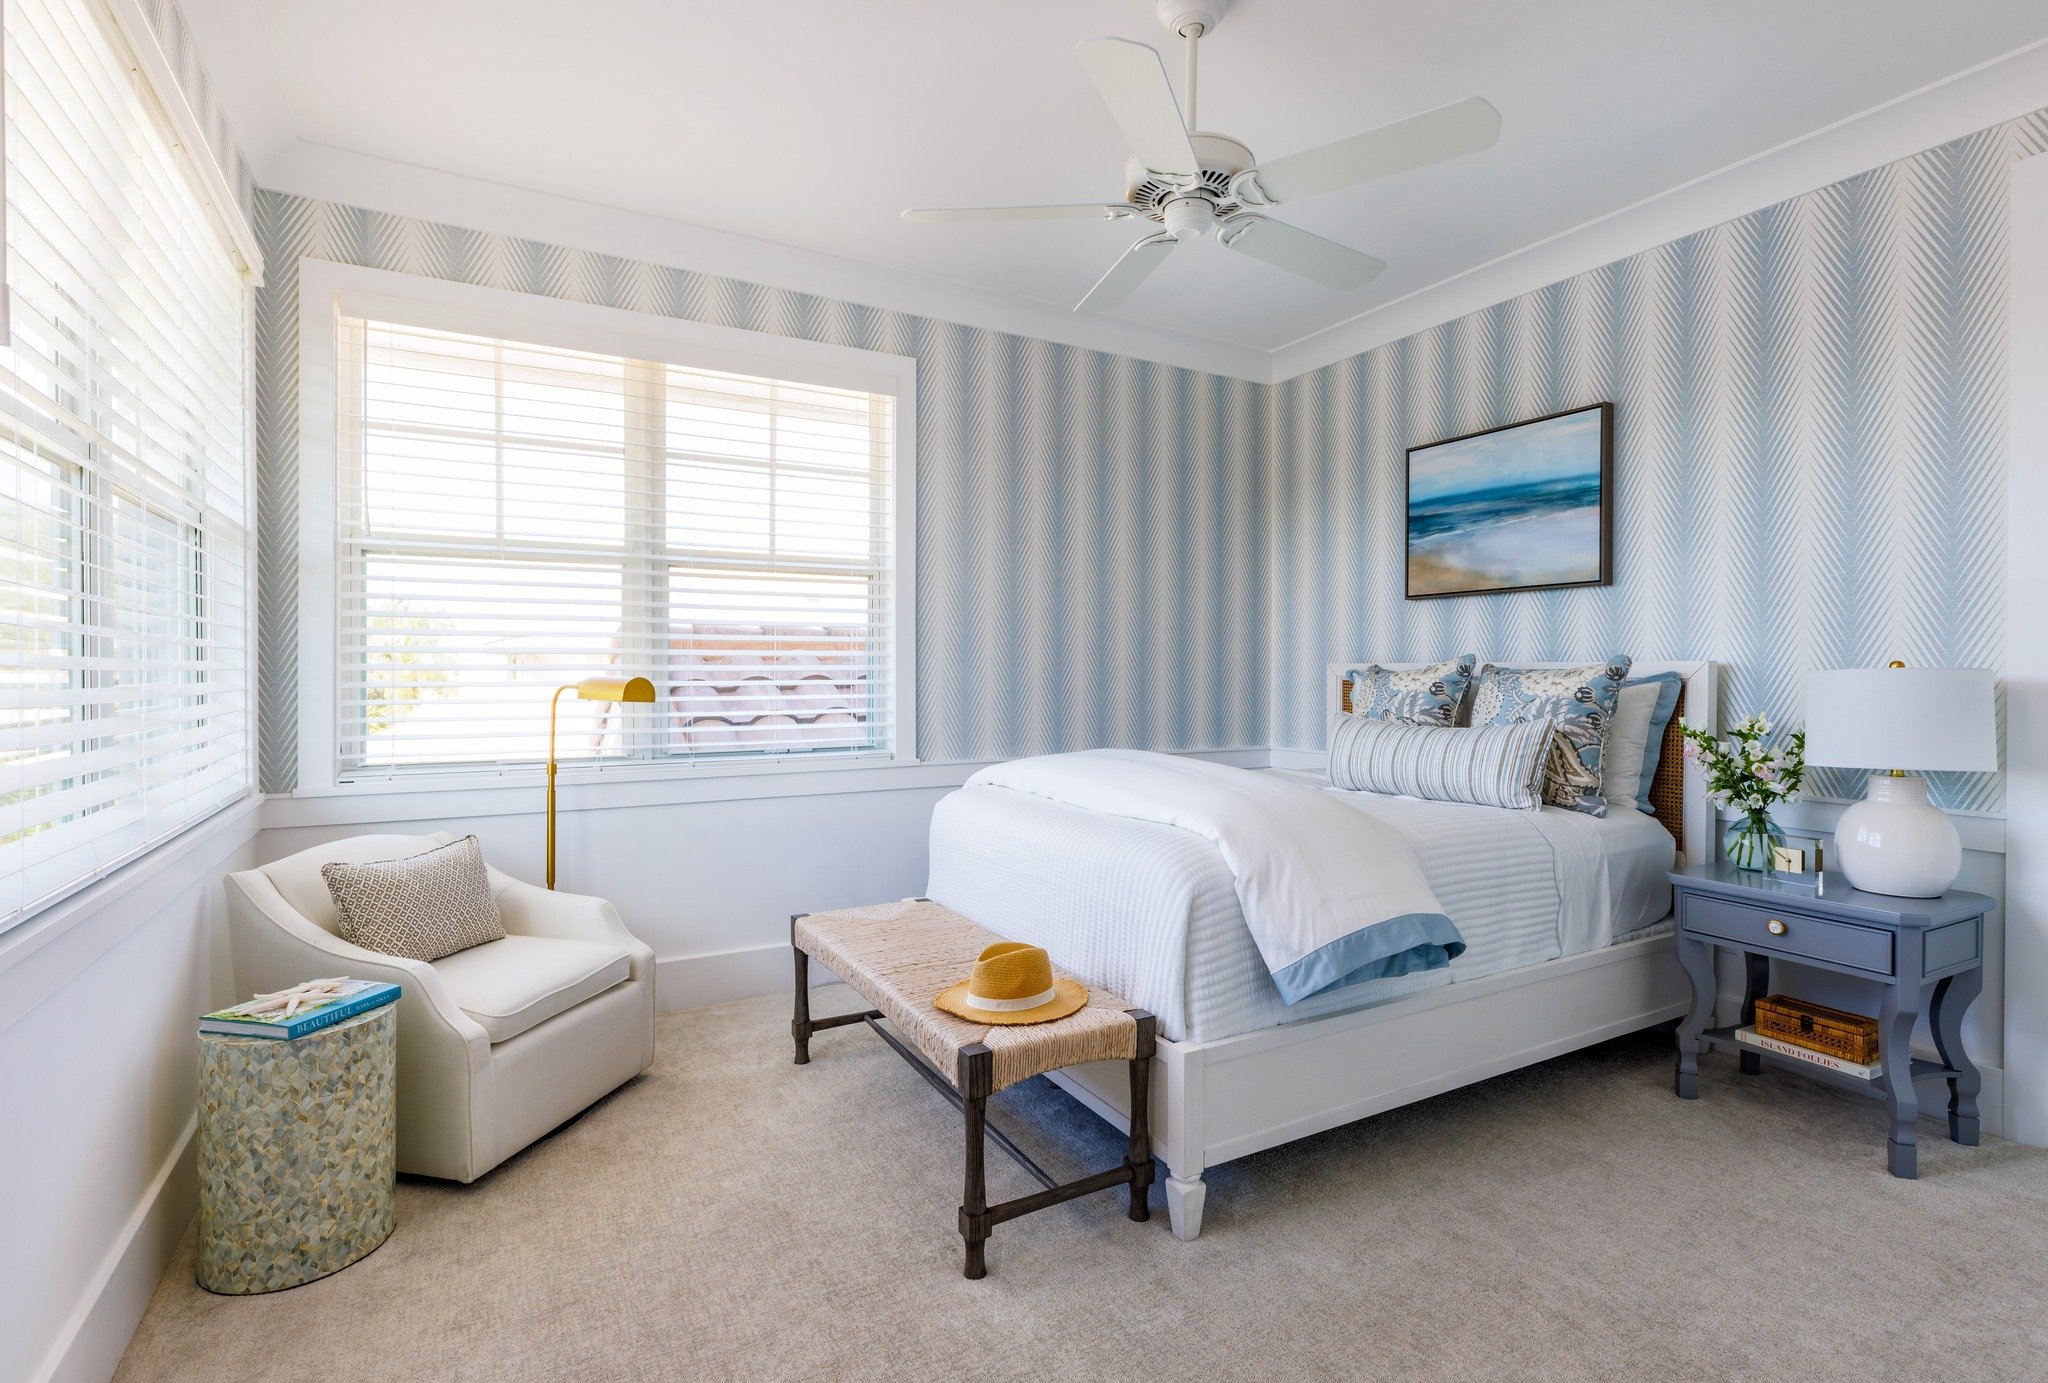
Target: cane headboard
{"type": "Point", "coordinates": [1678, 793]}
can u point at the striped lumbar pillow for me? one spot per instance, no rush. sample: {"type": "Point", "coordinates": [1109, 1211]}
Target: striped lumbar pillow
{"type": "Point", "coordinates": [1489, 766]}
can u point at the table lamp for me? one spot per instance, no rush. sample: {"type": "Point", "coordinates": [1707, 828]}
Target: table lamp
{"type": "Point", "coordinates": [589, 689]}
{"type": "Point", "coordinates": [1900, 718]}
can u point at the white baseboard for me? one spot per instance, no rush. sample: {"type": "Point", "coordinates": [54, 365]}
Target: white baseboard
{"type": "Point", "coordinates": [694, 981]}
{"type": "Point", "coordinates": [91, 1343]}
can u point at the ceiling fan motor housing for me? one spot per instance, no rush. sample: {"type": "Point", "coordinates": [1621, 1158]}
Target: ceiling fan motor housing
{"type": "Point", "coordinates": [1221, 159]}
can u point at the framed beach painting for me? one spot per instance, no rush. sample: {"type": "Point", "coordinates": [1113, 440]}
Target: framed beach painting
{"type": "Point", "coordinates": [1526, 507]}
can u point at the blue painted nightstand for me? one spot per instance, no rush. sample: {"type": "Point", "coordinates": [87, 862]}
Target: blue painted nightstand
{"type": "Point", "coordinates": [1912, 950]}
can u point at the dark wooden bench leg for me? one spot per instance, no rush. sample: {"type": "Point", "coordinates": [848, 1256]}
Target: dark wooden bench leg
{"type": "Point", "coordinates": [1139, 1158]}
{"type": "Point", "coordinates": [800, 1022]}
{"type": "Point", "coordinates": [977, 1077]}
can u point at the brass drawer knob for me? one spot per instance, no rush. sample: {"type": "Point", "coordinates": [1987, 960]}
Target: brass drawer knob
{"type": "Point", "coordinates": [1776, 928]}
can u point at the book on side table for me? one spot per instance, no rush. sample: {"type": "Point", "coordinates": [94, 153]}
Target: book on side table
{"type": "Point", "coordinates": [1750, 1037]}
{"type": "Point", "coordinates": [305, 1008]}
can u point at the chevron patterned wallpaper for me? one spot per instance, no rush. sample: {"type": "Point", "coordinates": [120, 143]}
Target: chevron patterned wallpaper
{"type": "Point", "coordinates": [1090, 558]}
{"type": "Point", "coordinates": [1809, 452]}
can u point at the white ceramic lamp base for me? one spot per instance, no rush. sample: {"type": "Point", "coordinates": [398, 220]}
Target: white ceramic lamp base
{"type": "Point", "coordinates": [1893, 842]}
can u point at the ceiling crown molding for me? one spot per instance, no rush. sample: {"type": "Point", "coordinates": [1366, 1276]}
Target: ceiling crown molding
{"type": "Point", "coordinates": [432, 194]}
{"type": "Point", "coordinates": [232, 37]}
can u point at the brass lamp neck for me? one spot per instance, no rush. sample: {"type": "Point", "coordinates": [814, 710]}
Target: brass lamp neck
{"type": "Point", "coordinates": [554, 706]}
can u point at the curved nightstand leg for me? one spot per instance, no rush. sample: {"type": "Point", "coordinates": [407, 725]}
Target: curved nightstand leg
{"type": "Point", "coordinates": [1698, 959]}
{"type": "Point", "coordinates": [1757, 970]}
{"type": "Point", "coordinates": [1895, 1049]}
{"type": "Point", "coordinates": [1952, 999]}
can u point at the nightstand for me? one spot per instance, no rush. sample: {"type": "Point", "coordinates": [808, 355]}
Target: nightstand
{"type": "Point", "coordinates": [1916, 952]}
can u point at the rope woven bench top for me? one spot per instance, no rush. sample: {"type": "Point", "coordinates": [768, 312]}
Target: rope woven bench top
{"type": "Point", "coordinates": [899, 955]}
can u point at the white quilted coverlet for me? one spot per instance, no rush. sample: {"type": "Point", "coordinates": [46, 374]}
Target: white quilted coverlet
{"type": "Point", "coordinates": [1151, 912]}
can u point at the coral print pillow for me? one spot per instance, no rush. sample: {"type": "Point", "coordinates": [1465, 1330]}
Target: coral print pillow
{"type": "Point", "coordinates": [1431, 695]}
{"type": "Point", "coordinates": [1581, 701]}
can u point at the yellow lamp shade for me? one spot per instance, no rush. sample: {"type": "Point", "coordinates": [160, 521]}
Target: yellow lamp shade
{"type": "Point", "coordinates": [615, 689]}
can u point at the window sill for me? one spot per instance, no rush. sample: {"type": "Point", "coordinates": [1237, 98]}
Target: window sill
{"type": "Point", "coordinates": [170, 867]}
{"type": "Point", "coordinates": [431, 796]}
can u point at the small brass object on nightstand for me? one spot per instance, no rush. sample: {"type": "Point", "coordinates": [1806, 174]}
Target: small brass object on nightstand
{"type": "Point", "coordinates": [1787, 859]}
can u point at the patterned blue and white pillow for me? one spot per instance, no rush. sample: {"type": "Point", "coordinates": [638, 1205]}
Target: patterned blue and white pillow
{"type": "Point", "coordinates": [1496, 766]}
{"type": "Point", "coordinates": [1581, 701]}
{"type": "Point", "coordinates": [1431, 695]}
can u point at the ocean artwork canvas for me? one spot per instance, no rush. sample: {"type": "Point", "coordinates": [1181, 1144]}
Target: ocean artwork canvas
{"type": "Point", "coordinates": [1518, 508]}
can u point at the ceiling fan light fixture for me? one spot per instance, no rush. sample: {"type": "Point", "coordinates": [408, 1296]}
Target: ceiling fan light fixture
{"type": "Point", "coordinates": [1189, 217]}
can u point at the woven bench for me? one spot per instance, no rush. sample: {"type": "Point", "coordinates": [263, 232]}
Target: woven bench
{"type": "Point", "coordinates": [898, 956]}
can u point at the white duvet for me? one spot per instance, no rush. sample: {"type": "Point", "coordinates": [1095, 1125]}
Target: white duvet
{"type": "Point", "coordinates": [1331, 896]}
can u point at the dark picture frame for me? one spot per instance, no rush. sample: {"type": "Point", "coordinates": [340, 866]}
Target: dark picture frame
{"type": "Point", "coordinates": [1493, 518]}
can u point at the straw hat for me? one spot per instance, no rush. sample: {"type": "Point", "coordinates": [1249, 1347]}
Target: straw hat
{"type": "Point", "coordinates": [1013, 983]}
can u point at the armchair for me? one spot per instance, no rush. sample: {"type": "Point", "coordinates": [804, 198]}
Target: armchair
{"type": "Point", "coordinates": [497, 1044]}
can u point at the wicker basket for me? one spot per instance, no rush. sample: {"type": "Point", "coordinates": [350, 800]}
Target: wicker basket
{"type": "Point", "coordinates": [1849, 1036]}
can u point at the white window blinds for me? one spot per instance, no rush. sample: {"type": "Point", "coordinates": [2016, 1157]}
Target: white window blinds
{"type": "Point", "coordinates": [124, 541]}
{"type": "Point", "coordinates": [516, 517]}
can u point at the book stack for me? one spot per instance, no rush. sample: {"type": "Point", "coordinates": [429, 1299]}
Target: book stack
{"type": "Point", "coordinates": [302, 1009]}
{"type": "Point", "coordinates": [1750, 1037]}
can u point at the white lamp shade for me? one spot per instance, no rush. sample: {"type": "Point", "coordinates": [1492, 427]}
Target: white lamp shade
{"type": "Point", "coordinates": [1927, 719]}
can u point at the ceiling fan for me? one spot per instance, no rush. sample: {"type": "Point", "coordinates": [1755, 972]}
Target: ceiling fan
{"type": "Point", "coordinates": [1192, 181]}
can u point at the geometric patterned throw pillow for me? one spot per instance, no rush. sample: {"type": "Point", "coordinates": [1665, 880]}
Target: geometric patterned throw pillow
{"type": "Point", "coordinates": [424, 907]}
{"type": "Point", "coordinates": [1412, 696]}
{"type": "Point", "coordinates": [1580, 700]}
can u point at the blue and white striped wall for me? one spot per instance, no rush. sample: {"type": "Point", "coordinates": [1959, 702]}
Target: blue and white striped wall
{"type": "Point", "coordinates": [1810, 471]}
{"type": "Point", "coordinates": [1809, 440]}
{"type": "Point", "coordinates": [1089, 539]}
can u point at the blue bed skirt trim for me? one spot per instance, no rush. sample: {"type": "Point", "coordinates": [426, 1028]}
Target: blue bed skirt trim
{"type": "Point", "coordinates": [1398, 946]}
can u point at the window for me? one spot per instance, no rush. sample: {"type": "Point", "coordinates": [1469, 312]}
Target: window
{"type": "Point", "coordinates": [124, 540]}
{"type": "Point", "coordinates": [515, 516]}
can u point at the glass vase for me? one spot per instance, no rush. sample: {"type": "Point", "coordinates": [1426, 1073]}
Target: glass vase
{"type": "Point", "coordinates": [1747, 845]}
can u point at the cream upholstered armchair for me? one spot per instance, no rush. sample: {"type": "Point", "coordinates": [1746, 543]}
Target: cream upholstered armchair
{"type": "Point", "coordinates": [496, 1044]}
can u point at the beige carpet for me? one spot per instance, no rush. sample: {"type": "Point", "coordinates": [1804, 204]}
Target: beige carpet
{"type": "Point", "coordinates": [732, 1215]}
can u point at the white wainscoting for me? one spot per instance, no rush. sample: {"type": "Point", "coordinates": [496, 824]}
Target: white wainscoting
{"type": "Point", "coordinates": [707, 873]}
{"type": "Point", "coordinates": [98, 1084]}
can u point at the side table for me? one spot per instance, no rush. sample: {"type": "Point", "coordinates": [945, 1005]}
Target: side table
{"type": "Point", "coordinates": [297, 1152]}
{"type": "Point", "coordinates": [1918, 954]}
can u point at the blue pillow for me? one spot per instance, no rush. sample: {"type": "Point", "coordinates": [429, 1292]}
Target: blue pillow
{"type": "Point", "coordinates": [1660, 717]}
{"type": "Point", "coordinates": [1580, 700]}
{"type": "Point", "coordinates": [1432, 695]}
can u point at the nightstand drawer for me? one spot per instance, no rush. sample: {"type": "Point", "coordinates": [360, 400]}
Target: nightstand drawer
{"type": "Point", "coordinates": [1791, 934]}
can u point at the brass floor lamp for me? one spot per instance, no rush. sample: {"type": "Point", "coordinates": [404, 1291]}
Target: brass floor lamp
{"type": "Point", "coordinates": [637, 689]}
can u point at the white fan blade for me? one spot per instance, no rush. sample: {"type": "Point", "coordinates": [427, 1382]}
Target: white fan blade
{"type": "Point", "coordinates": [1087, 211]}
{"type": "Point", "coordinates": [1127, 273]}
{"type": "Point", "coordinates": [1295, 250]}
{"type": "Point", "coordinates": [1463, 127]}
{"type": "Point", "coordinates": [1133, 83]}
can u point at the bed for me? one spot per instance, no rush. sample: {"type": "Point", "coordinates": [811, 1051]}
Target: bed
{"type": "Point", "coordinates": [1565, 918]}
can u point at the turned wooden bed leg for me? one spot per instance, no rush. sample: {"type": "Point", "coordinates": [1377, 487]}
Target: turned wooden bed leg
{"type": "Point", "coordinates": [800, 1019]}
{"type": "Point", "coordinates": [976, 1079]}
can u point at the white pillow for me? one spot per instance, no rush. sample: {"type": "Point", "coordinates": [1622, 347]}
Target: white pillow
{"type": "Point", "coordinates": [1628, 741]}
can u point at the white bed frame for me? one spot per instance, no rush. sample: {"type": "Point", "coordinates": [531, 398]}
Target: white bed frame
{"type": "Point", "coordinates": [1213, 1101]}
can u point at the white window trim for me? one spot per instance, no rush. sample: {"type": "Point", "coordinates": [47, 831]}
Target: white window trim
{"type": "Point", "coordinates": [325, 287]}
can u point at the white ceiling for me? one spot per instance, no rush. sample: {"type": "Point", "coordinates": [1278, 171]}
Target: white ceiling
{"type": "Point", "coordinates": [811, 123]}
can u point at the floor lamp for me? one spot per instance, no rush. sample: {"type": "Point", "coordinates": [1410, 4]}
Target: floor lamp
{"type": "Point", "coordinates": [637, 689]}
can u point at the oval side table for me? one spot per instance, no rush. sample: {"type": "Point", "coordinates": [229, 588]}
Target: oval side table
{"type": "Point", "coordinates": [297, 1152]}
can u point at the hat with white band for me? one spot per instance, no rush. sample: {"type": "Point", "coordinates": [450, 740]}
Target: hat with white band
{"type": "Point", "coordinates": [1013, 983]}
